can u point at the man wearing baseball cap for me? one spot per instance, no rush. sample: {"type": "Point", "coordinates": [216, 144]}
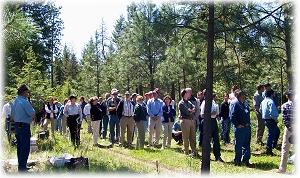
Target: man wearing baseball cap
{"type": "Point", "coordinates": [269, 113]}
{"type": "Point", "coordinates": [23, 114]}
{"type": "Point", "coordinates": [275, 98]}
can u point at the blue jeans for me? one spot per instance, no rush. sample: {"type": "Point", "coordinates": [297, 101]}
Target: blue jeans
{"type": "Point", "coordinates": [242, 138]}
{"type": "Point", "coordinates": [105, 124]}
{"type": "Point", "coordinates": [226, 124]}
{"type": "Point", "coordinates": [58, 125]}
{"type": "Point", "coordinates": [114, 121]}
{"type": "Point", "coordinates": [273, 134]}
{"type": "Point", "coordinates": [23, 147]}
{"type": "Point", "coordinates": [200, 136]}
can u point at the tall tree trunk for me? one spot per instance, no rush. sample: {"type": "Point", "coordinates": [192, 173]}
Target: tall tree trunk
{"type": "Point", "coordinates": [288, 50]}
{"type": "Point", "coordinates": [173, 91]}
{"type": "Point", "coordinates": [205, 166]}
{"type": "Point", "coordinates": [141, 90]}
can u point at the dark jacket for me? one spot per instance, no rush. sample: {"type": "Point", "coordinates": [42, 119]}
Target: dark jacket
{"type": "Point", "coordinates": [120, 108]}
{"type": "Point", "coordinates": [224, 110]}
{"type": "Point", "coordinates": [139, 113]}
{"type": "Point", "coordinates": [96, 112]}
{"type": "Point", "coordinates": [166, 115]}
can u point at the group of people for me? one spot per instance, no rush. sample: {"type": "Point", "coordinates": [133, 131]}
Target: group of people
{"type": "Point", "coordinates": [135, 114]}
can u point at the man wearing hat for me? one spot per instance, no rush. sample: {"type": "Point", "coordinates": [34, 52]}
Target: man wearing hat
{"type": "Point", "coordinates": [275, 98]}
{"type": "Point", "coordinates": [23, 114]}
{"type": "Point", "coordinates": [125, 114]}
{"type": "Point", "coordinates": [269, 113]}
{"type": "Point", "coordinates": [73, 112]}
{"type": "Point", "coordinates": [114, 122]}
{"type": "Point", "coordinates": [288, 120]}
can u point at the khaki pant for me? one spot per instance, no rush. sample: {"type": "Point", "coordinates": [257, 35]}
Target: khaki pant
{"type": "Point", "coordinates": [260, 128]}
{"type": "Point", "coordinates": [167, 127]}
{"type": "Point", "coordinates": [64, 124]}
{"type": "Point", "coordinates": [188, 135]}
{"type": "Point", "coordinates": [46, 123]}
{"type": "Point", "coordinates": [126, 123]}
{"type": "Point", "coordinates": [88, 119]}
{"type": "Point", "coordinates": [140, 141]}
{"type": "Point", "coordinates": [285, 148]}
{"type": "Point", "coordinates": [154, 125]}
{"type": "Point", "coordinates": [96, 126]}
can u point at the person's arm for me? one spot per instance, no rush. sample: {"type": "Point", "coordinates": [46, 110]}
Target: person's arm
{"type": "Point", "coordinates": [160, 111]}
{"type": "Point", "coordinates": [232, 115]}
{"type": "Point", "coordinates": [29, 109]}
{"type": "Point", "coordinates": [80, 114]}
{"type": "Point", "coordinates": [273, 111]}
{"type": "Point", "coordinates": [149, 111]}
{"type": "Point", "coordinates": [183, 109]}
{"type": "Point", "coordinates": [66, 110]}
{"type": "Point", "coordinates": [47, 109]}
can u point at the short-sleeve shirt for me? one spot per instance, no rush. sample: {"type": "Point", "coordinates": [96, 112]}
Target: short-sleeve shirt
{"type": "Point", "coordinates": [21, 110]}
{"type": "Point", "coordinates": [257, 99]}
{"type": "Point", "coordinates": [111, 103]}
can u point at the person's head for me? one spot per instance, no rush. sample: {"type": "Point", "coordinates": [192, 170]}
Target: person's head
{"type": "Point", "coordinates": [23, 90]}
{"type": "Point", "coordinates": [66, 101]}
{"type": "Point", "coordinates": [290, 95]}
{"type": "Point", "coordinates": [139, 99]}
{"type": "Point", "coordinates": [184, 94]}
{"type": "Point", "coordinates": [150, 94]}
{"type": "Point", "coordinates": [167, 100]}
{"type": "Point", "coordinates": [267, 86]}
{"type": "Point", "coordinates": [233, 88]}
{"type": "Point", "coordinates": [133, 96]}
{"type": "Point", "coordinates": [81, 98]}
{"type": "Point", "coordinates": [200, 95]}
{"type": "Point", "coordinates": [214, 97]}
{"type": "Point", "coordinates": [114, 94]}
{"type": "Point", "coordinates": [107, 95]}
{"type": "Point", "coordinates": [226, 96]}
{"type": "Point", "coordinates": [240, 95]}
{"type": "Point", "coordinates": [260, 88]}
{"type": "Point", "coordinates": [51, 99]}
{"type": "Point", "coordinates": [155, 94]}
{"type": "Point", "coordinates": [100, 99]}
{"type": "Point", "coordinates": [55, 103]}
{"type": "Point", "coordinates": [270, 93]}
{"type": "Point", "coordinates": [73, 98]}
{"type": "Point", "coordinates": [127, 95]}
{"type": "Point", "coordinates": [147, 96]}
{"type": "Point", "coordinates": [189, 91]}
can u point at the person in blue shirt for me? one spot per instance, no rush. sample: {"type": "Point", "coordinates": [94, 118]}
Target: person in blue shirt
{"type": "Point", "coordinates": [23, 114]}
{"type": "Point", "coordinates": [275, 98]}
{"type": "Point", "coordinates": [154, 109]}
{"type": "Point", "coordinates": [239, 114]}
{"type": "Point", "coordinates": [177, 133]}
{"type": "Point", "coordinates": [270, 114]}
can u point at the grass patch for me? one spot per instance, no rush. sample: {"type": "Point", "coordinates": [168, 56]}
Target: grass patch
{"type": "Point", "coordinates": [150, 161]}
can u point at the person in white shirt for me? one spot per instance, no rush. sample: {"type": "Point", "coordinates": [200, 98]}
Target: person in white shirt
{"type": "Point", "coordinates": [232, 96]}
{"type": "Point", "coordinates": [214, 130]}
{"type": "Point", "coordinates": [125, 114]}
{"type": "Point", "coordinates": [51, 115]}
{"type": "Point", "coordinates": [6, 110]}
{"type": "Point", "coordinates": [86, 112]}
